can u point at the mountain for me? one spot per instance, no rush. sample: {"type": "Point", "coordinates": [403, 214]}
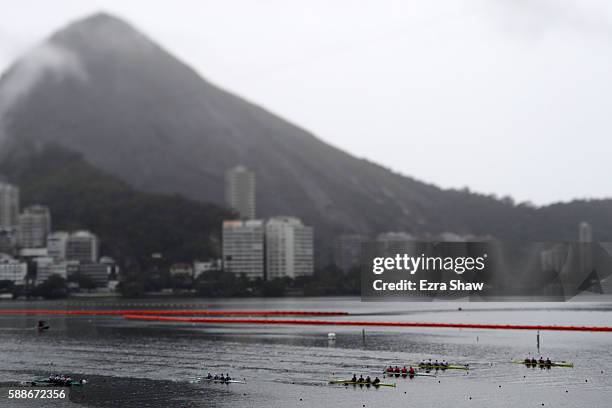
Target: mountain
{"type": "Point", "coordinates": [101, 88]}
{"type": "Point", "coordinates": [131, 225]}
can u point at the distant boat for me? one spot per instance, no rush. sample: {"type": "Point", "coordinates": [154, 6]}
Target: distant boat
{"type": "Point", "coordinates": [42, 326]}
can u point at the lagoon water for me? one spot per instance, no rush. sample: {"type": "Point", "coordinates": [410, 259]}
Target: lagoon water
{"type": "Point", "coordinates": [155, 364]}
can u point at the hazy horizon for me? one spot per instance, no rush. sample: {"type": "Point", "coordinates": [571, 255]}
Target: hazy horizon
{"type": "Point", "coordinates": [503, 97]}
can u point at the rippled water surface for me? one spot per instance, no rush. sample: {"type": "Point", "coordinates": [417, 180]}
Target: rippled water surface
{"type": "Point", "coordinates": [154, 364]}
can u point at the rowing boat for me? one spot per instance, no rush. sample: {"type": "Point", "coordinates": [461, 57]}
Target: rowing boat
{"type": "Point", "coordinates": [211, 380]}
{"type": "Point", "coordinates": [443, 367]}
{"type": "Point", "coordinates": [45, 382]}
{"type": "Point", "coordinates": [404, 375]}
{"type": "Point", "coordinates": [552, 364]}
{"type": "Point", "coordinates": [350, 382]}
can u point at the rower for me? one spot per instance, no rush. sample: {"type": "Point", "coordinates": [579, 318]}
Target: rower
{"type": "Point", "coordinates": [227, 377]}
{"type": "Point", "coordinates": [533, 361]}
{"type": "Point", "coordinates": [221, 377]}
{"type": "Point", "coordinates": [376, 381]}
{"type": "Point", "coordinates": [404, 370]}
{"type": "Point", "coordinates": [411, 371]}
{"type": "Point", "coordinates": [541, 360]}
{"type": "Point", "coordinates": [216, 377]}
{"type": "Point", "coordinates": [390, 369]}
{"type": "Point", "coordinates": [209, 376]}
{"type": "Point", "coordinates": [368, 379]}
{"type": "Point", "coordinates": [360, 378]}
{"type": "Point", "coordinates": [397, 369]}
{"type": "Point", "coordinates": [354, 379]}
{"type": "Point", "coordinates": [548, 362]}
{"type": "Point", "coordinates": [527, 361]}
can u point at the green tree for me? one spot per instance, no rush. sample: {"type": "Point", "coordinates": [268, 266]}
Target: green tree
{"type": "Point", "coordinates": [6, 285]}
{"type": "Point", "coordinates": [131, 289]}
{"type": "Point", "coordinates": [53, 288]}
{"type": "Point", "coordinates": [84, 281]}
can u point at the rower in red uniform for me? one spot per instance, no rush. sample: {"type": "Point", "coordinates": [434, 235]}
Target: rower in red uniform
{"type": "Point", "coordinates": [404, 370]}
{"type": "Point", "coordinates": [397, 369]}
{"type": "Point", "coordinates": [390, 369]}
{"type": "Point", "coordinates": [411, 371]}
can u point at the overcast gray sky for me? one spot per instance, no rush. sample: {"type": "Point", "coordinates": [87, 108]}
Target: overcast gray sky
{"type": "Point", "coordinates": [506, 97]}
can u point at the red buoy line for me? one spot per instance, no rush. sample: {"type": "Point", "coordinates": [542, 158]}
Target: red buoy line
{"type": "Point", "coordinates": [167, 316]}
{"type": "Point", "coordinates": [172, 312]}
{"type": "Point", "coordinates": [366, 323]}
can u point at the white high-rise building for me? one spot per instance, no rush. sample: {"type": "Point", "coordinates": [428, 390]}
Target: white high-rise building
{"type": "Point", "coordinates": [82, 246]}
{"type": "Point", "coordinates": [9, 206]}
{"type": "Point", "coordinates": [585, 232]}
{"type": "Point", "coordinates": [289, 248]}
{"type": "Point", "coordinates": [585, 249]}
{"type": "Point", "coordinates": [243, 248]}
{"type": "Point", "coordinates": [56, 245]}
{"type": "Point", "coordinates": [240, 191]}
{"type": "Point", "coordinates": [34, 226]}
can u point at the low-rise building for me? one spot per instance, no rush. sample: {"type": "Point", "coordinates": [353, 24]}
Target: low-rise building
{"type": "Point", "coordinates": [33, 253]}
{"type": "Point", "coordinates": [200, 267]}
{"type": "Point", "coordinates": [97, 272]}
{"type": "Point", "coordinates": [63, 269]}
{"type": "Point", "coordinates": [13, 270]}
{"type": "Point", "coordinates": [113, 268]}
{"type": "Point", "coordinates": [182, 268]}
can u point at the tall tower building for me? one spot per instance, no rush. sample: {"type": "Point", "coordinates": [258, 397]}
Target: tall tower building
{"type": "Point", "coordinates": [585, 250]}
{"type": "Point", "coordinates": [240, 191]}
{"type": "Point", "coordinates": [243, 248]}
{"type": "Point", "coordinates": [9, 206]}
{"type": "Point", "coordinates": [34, 226]}
{"type": "Point", "coordinates": [289, 248]}
{"type": "Point", "coordinates": [585, 232]}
